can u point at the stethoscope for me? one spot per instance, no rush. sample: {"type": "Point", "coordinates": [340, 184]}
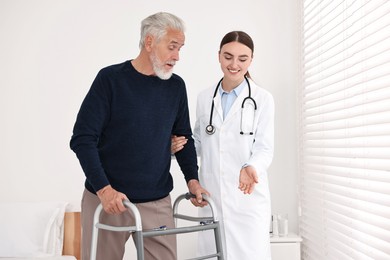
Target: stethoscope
{"type": "Point", "coordinates": [210, 129]}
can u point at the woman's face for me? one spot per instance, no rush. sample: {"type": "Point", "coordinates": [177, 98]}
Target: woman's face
{"type": "Point", "coordinates": [235, 59]}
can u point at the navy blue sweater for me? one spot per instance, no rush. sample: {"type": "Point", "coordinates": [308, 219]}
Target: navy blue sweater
{"type": "Point", "coordinates": [122, 135]}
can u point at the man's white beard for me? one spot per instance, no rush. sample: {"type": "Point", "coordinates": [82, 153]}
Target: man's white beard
{"type": "Point", "coordinates": [158, 68]}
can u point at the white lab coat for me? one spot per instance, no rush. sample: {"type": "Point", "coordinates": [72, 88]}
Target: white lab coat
{"type": "Point", "coordinates": [245, 219]}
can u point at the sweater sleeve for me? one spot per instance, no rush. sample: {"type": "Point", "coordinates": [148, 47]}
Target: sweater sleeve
{"type": "Point", "coordinates": [186, 158]}
{"type": "Point", "coordinates": [91, 119]}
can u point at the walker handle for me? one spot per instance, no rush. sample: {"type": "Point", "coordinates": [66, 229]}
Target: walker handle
{"type": "Point", "coordinates": [188, 196]}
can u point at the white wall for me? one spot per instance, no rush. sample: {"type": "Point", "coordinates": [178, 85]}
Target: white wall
{"type": "Point", "coordinates": [51, 51]}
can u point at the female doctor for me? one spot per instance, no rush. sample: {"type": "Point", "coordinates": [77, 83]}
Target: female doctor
{"type": "Point", "coordinates": [234, 137]}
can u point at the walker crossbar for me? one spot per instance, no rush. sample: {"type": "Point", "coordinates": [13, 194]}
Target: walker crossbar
{"type": "Point", "coordinates": [118, 229]}
{"type": "Point", "coordinates": [179, 230]}
{"type": "Point", "coordinates": [194, 219]}
{"type": "Point", "coordinates": [205, 223]}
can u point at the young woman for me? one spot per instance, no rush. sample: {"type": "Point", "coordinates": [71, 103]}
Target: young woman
{"type": "Point", "coordinates": [234, 137]}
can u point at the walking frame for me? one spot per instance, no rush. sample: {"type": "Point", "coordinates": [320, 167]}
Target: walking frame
{"type": "Point", "coordinates": [204, 223]}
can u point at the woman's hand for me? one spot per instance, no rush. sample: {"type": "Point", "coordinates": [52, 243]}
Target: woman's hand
{"type": "Point", "coordinates": [248, 179]}
{"type": "Point", "coordinates": [177, 143]}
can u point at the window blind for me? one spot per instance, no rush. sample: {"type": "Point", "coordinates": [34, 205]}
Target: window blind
{"type": "Point", "coordinates": [344, 129]}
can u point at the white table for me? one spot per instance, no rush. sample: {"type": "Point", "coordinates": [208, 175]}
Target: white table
{"type": "Point", "coordinates": [286, 248]}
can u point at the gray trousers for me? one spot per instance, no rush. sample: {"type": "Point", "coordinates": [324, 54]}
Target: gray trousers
{"type": "Point", "coordinates": [111, 245]}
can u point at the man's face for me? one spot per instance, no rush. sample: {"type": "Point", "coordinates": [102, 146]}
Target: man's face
{"type": "Point", "coordinates": [165, 53]}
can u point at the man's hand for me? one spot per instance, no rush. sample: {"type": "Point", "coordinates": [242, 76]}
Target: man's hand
{"type": "Point", "coordinates": [112, 200]}
{"type": "Point", "coordinates": [177, 143]}
{"type": "Point", "coordinates": [248, 179]}
{"type": "Point", "coordinates": [195, 188]}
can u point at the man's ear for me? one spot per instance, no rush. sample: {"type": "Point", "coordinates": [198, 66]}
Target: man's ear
{"type": "Point", "coordinates": [148, 43]}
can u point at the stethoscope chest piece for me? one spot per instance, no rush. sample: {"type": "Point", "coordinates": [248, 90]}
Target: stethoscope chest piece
{"type": "Point", "coordinates": [210, 129]}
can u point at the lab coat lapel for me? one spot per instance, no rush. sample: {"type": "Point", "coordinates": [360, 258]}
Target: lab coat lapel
{"type": "Point", "coordinates": [218, 106]}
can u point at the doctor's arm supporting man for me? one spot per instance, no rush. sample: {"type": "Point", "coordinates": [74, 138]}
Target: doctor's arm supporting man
{"type": "Point", "coordinates": [234, 138]}
{"type": "Point", "coordinates": [122, 138]}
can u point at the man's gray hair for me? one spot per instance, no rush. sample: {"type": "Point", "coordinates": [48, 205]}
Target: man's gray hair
{"type": "Point", "coordinates": [158, 24]}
